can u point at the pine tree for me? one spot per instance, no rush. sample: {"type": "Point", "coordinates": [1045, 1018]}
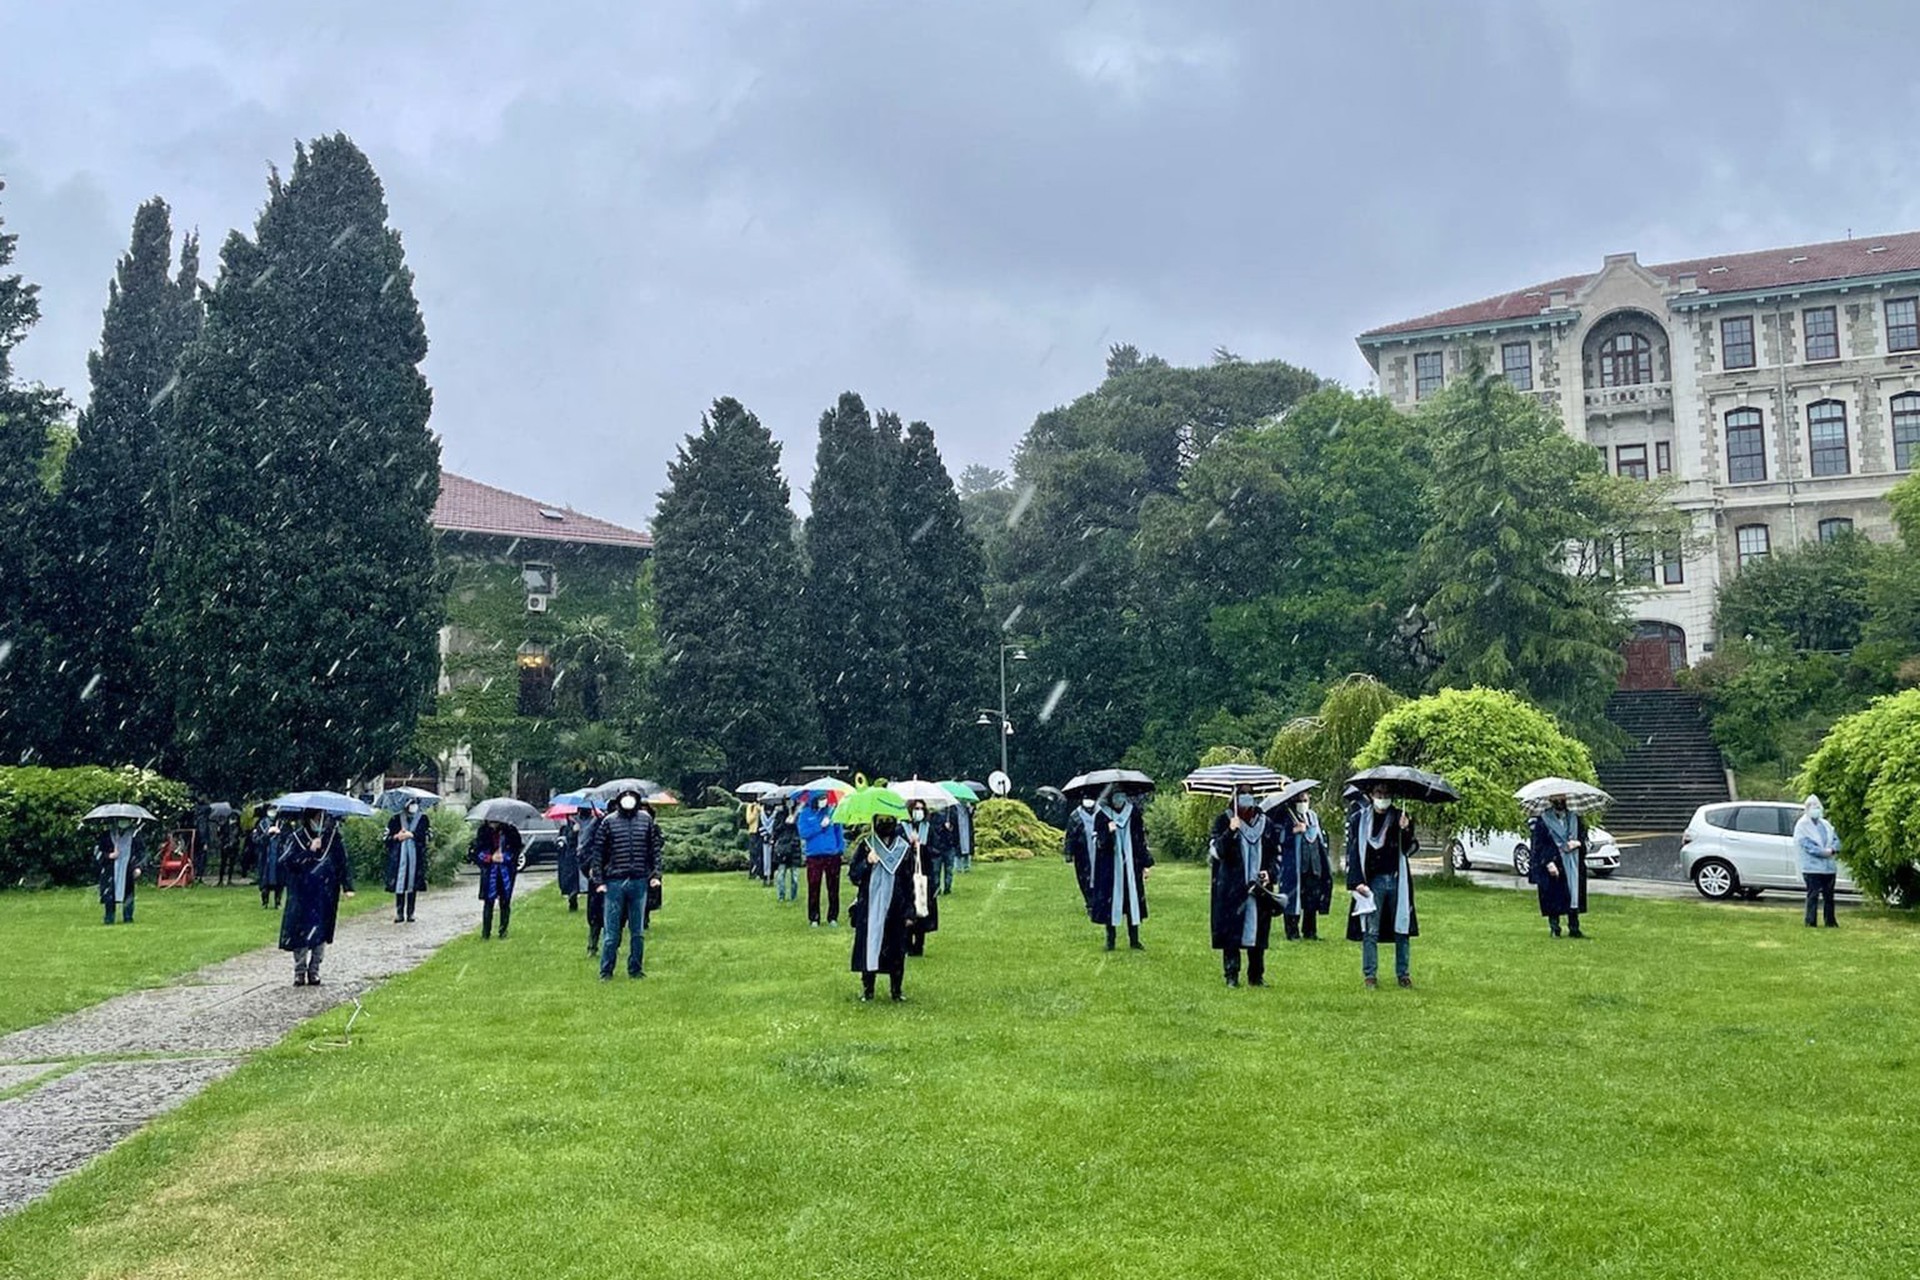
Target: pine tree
{"type": "Point", "coordinates": [298, 604]}
{"type": "Point", "coordinates": [734, 693]}
{"type": "Point", "coordinates": [948, 638]}
{"type": "Point", "coordinates": [28, 416]}
{"type": "Point", "coordinates": [853, 616]}
{"type": "Point", "coordinates": [108, 508]}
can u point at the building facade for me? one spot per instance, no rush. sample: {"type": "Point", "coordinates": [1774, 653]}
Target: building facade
{"type": "Point", "coordinates": [1778, 392]}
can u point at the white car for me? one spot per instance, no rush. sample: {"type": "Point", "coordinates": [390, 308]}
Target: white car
{"type": "Point", "coordinates": [1741, 847]}
{"type": "Point", "coordinates": [1510, 848]}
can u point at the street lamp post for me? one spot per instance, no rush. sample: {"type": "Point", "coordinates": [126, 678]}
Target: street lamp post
{"type": "Point", "coordinates": [1019, 654]}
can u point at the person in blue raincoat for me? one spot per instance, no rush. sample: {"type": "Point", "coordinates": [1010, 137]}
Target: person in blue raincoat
{"type": "Point", "coordinates": [823, 841]}
{"type": "Point", "coordinates": [496, 851]}
{"type": "Point", "coordinates": [1306, 868]}
{"type": "Point", "coordinates": [1557, 843]}
{"type": "Point", "coordinates": [120, 859]}
{"type": "Point", "coordinates": [1244, 859]}
{"type": "Point", "coordinates": [1817, 843]}
{"type": "Point", "coordinates": [1117, 880]}
{"type": "Point", "coordinates": [408, 842]}
{"type": "Point", "coordinates": [264, 843]}
{"type": "Point", "coordinates": [314, 860]}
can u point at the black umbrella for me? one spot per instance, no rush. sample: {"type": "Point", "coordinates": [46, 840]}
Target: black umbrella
{"type": "Point", "coordinates": [1099, 779]}
{"type": "Point", "coordinates": [1288, 794]}
{"type": "Point", "coordinates": [639, 786]}
{"type": "Point", "coordinates": [1403, 782]}
{"type": "Point", "coordinates": [515, 813]}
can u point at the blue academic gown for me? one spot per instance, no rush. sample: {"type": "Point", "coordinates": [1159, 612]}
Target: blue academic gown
{"type": "Point", "coordinates": [314, 885]}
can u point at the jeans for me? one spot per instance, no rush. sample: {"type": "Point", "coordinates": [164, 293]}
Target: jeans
{"type": "Point", "coordinates": [626, 908]}
{"type": "Point", "coordinates": [942, 877]}
{"type": "Point", "coordinates": [828, 866]}
{"type": "Point", "coordinates": [786, 884]}
{"type": "Point", "coordinates": [1386, 897]}
{"type": "Point", "coordinates": [486, 916]}
{"type": "Point", "coordinates": [1819, 890]}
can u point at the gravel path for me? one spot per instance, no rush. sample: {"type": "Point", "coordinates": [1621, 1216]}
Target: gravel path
{"type": "Point", "coordinates": [99, 1081]}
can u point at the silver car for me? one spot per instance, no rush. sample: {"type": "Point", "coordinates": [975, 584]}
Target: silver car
{"type": "Point", "coordinates": [1741, 847]}
{"type": "Point", "coordinates": [1510, 848]}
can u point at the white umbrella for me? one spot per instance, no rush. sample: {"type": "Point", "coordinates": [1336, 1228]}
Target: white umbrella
{"type": "Point", "coordinates": [1582, 797]}
{"type": "Point", "coordinates": [932, 794]}
{"type": "Point", "coordinates": [118, 811]}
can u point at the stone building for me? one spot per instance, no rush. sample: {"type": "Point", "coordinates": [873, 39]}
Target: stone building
{"type": "Point", "coordinates": [1779, 391]}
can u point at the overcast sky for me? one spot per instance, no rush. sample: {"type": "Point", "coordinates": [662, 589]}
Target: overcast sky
{"type": "Point", "coordinates": [617, 212]}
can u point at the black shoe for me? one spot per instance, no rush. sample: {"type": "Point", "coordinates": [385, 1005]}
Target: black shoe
{"type": "Point", "coordinates": [1109, 944]}
{"type": "Point", "coordinates": [866, 997]}
{"type": "Point", "coordinates": [503, 935]}
{"type": "Point", "coordinates": [1233, 981]}
{"type": "Point", "coordinates": [899, 998]}
{"type": "Point", "coordinates": [299, 979]}
{"type": "Point", "coordinates": [399, 919]}
{"type": "Point", "coordinates": [638, 973]}
{"type": "Point", "coordinates": [1407, 982]}
{"type": "Point", "coordinates": [1256, 982]}
{"type": "Point", "coordinates": [606, 977]}
{"type": "Point", "coordinates": [1575, 933]}
{"type": "Point", "coordinates": [1555, 932]}
{"type": "Point", "coordinates": [313, 979]}
{"type": "Point", "coordinates": [1136, 945]}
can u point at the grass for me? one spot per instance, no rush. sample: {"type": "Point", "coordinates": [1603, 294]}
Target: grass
{"type": "Point", "coordinates": [1698, 1091]}
{"type": "Point", "coordinates": [55, 935]}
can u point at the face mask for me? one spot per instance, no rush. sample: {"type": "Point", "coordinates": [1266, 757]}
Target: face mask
{"type": "Point", "coordinates": [412, 809]}
{"type": "Point", "coordinates": [1816, 810]}
{"type": "Point", "coordinates": [1381, 804]}
{"type": "Point", "coordinates": [918, 815]}
{"type": "Point", "coordinates": [1248, 804]}
{"type": "Point", "coordinates": [1300, 807]}
{"type": "Point", "coordinates": [313, 824]}
{"type": "Point", "coordinates": [885, 827]}
{"type": "Point", "coordinates": [628, 804]}
{"type": "Point", "coordinates": [821, 803]}
{"type": "Point", "coordinates": [1089, 804]}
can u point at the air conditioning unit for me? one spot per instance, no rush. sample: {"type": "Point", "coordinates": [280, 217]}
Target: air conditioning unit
{"type": "Point", "coordinates": [537, 603]}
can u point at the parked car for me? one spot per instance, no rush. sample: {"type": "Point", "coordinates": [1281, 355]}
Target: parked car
{"type": "Point", "coordinates": [1742, 847]}
{"type": "Point", "coordinates": [1510, 848]}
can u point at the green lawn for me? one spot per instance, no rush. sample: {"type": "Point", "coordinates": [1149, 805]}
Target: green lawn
{"type": "Point", "coordinates": [1697, 1091]}
{"type": "Point", "coordinates": [55, 935]}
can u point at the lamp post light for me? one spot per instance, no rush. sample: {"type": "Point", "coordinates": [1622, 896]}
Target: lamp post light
{"type": "Point", "coordinates": [1019, 654]}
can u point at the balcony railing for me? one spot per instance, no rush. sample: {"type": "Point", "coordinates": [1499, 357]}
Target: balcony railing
{"type": "Point", "coordinates": [1638, 398]}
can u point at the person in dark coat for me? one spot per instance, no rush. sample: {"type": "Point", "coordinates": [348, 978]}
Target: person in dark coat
{"type": "Point", "coordinates": [267, 833]}
{"type": "Point", "coordinates": [1082, 824]}
{"type": "Point", "coordinates": [314, 860]}
{"type": "Point", "coordinates": [1558, 839]}
{"type": "Point", "coordinates": [787, 856]}
{"type": "Point", "coordinates": [1244, 859]}
{"type": "Point", "coordinates": [408, 843]}
{"type": "Point", "coordinates": [763, 820]}
{"type": "Point", "coordinates": [882, 875]}
{"type": "Point", "coordinates": [1306, 869]}
{"type": "Point", "coordinates": [925, 917]}
{"type": "Point", "coordinates": [496, 851]}
{"type": "Point", "coordinates": [944, 839]}
{"type": "Point", "coordinates": [625, 855]}
{"type": "Point", "coordinates": [1380, 839]}
{"type": "Point", "coordinates": [587, 820]}
{"type": "Point", "coordinates": [567, 868]}
{"type": "Point", "coordinates": [119, 858]}
{"type": "Point", "coordinates": [1117, 883]}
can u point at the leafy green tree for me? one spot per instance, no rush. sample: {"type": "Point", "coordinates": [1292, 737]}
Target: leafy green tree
{"type": "Point", "coordinates": [1815, 596]}
{"type": "Point", "coordinates": [299, 604]}
{"type": "Point", "coordinates": [1324, 745]}
{"type": "Point", "coordinates": [1867, 775]}
{"type": "Point", "coordinates": [108, 509]}
{"type": "Point", "coordinates": [734, 688]}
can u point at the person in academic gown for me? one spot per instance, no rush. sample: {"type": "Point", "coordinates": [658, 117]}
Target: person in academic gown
{"type": "Point", "coordinates": [496, 851]}
{"type": "Point", "coordinates": [120, 859]}
{"type": "Point", "coordinates": [408, 842]}
{"type": "Point", "coordinates": [567, 872]}
{"type": "Point", "coordinates": [1082, 837]}
{"type": "Point", "coordinates": [787, 856]}
{"type": "Point", "coordinates": [882, 875]}
{"type": "Point", "coordinates": [765, 819]}
{"type": "Point", "coordinates": [314, 858]}
{"type": "Point", "coordinates": [587, 819]}
{"type": "Point", "coordinates": [1117, 885]}
{"type": "Point", "coordinates": [1306, 868]}
{"type": "Point", "coordinates": [1245, 862]}
{"type": "Point", "coordinates": [925, 917]}
{"type": "Point", "coordinates": [265, 841]}
{"type": "Point", "coordinates": [1559, 868]}
{"type": "Point", "coordinates": [1380, 839]}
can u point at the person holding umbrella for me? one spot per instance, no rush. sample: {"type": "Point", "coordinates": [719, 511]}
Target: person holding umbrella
{"type": "Point", "coordinates": [624, 854]}
{"type": "Point", "coordinates": [823, 841]}
{"type": "Point", "coordinates": [1306, 864]}
{"type": "Point", "coordinates": [1558, 839]}
{"type": "Point", "coordinates": [925, 918]}
{"type": "Point", "coordinates": [1245, 863]}
{"type": "Point", "coordinates": [1117, 884]}
{"type": "Point", "coordinates": [314, 858]}
{"type": "Point", "coordinates": [787, 856]}
{"type": "Point", "coordinates": [567, 868]}
{"type": "Point", "coordinates": [1380, 839]}
{"type": "Point", "coordinates": [882, 876]}
{"type": "Point", "coordinates": [496, 851]}
{"type": "Point", "coordinates": [118, 858]}
{"type": "Point", "coordinates": [407, 845]}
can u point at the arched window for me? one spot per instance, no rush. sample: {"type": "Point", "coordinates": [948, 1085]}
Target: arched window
{"type": "Point", "coordinates": [1827, 438]}
{"type": "Point", "coordinates": [1746, 447]}
{"type": "Point", "coordinates": [1906, 430]}
{"type": "Point", "coordinates": [1626, 360]}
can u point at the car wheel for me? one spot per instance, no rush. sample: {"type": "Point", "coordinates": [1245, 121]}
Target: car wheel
{"type": "Point", "coordinates": [1604, 872]}
{"type": "Point", "coordinates": [1522, 860]}
{"type": "Point", "coordinates": [1458, 852]}
{"type": "Point", "coordinates": [1716, 879]}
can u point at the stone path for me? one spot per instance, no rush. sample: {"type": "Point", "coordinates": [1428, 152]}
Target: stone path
{"type": "Point", "coordinates": [104, 1072]}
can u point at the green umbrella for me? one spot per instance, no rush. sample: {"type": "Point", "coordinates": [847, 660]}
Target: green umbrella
{"type": "Point", "coordinates": [961, 792]}
{"type": "Point", "coordinates": [860, 807]}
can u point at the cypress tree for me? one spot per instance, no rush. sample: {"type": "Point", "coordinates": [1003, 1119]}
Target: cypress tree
{"type": "Point", "coordinates": [726, 575]}
{"type": "Point", "coordinates": [948, 641]}
{"type": "Point", "coordinates": [108, 507]}
{"type": "Point", "coordinates": [853, 614]}
{"type": "Point", "coordinates": [299, 604]}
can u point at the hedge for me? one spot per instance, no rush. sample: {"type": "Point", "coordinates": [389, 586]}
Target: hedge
{"type": "Point", "coordinates": [710, 839]}
{"type": "Point", "coordinates": [1867, 775]}
{"type": "Point", "coordinates": [1008, 830]}
{"type": "Point", "coordinates": [42, 840]}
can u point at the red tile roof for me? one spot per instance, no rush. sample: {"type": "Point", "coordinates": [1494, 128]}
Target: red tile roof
{"type": "Point", "coordinates": [1729, 273]}
{"type": "Point", "coordinates": [467, 506]}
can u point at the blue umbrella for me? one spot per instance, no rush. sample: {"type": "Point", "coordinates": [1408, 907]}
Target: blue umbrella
{"type": "Point", "coordinates": [394, 799]}
{"type": "Point", "coordinates": [333, 802]}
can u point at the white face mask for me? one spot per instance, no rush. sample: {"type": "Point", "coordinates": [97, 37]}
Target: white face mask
{"type": "Point", "coordinates": [1816, 810]}
{"type": "Point", "coordinates": [1089, 804]}
{"type": "Point", "coordinates": [628, 804]}
{"type": "Point", "coordinates": [1381, 804]}
{"type": "Point", "coordinates": [412, 809]}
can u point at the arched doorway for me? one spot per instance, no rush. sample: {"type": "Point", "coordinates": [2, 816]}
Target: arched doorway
{"type": "Point", "coordinates": [1655, 653]}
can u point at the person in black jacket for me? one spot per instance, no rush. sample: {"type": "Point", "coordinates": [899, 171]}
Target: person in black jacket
{"type": "Point", "coordinates": [408, 840]}
{"type": "Point", "coordinates": [624, 860]}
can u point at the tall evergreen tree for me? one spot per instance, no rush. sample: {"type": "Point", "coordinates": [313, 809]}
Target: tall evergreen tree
{"type": "Point", "coordinates": [107, 511]}
{"type": "Point", "coordinates": [733, 687]}
{"type": "Point", "coordinates": [299, 606]}
{"type": "Point", "coordinates": [853, 614]}
{"type": "Point", "coordinates": [29, 414]}
{"type": "Point", "coordinates": [948, 637]}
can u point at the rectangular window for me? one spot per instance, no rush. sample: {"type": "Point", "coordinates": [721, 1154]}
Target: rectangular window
{"type": "Point", "coordinates": [538, 579]}
{"type": "Point", "coordinates": [1834, 528]}
{"type": "Point", "coordinates": [1637, 560]}
{"type": "Point", "coordinates": [1903, 324]}
{"type": "Point", "coordinates": [1672, 571]}
{"type": "Point", "coordinates": [1429, 373]}
{"type": "Point", "coordinates": [1663, 459]}
{"type": "Point", "coordinates": [1822, 330]}
{"type": "Point", "coordinates": [1516, 360]}
{"type": "Point", "coordinates": [1906, 429]}
{"type": "Point", "coordinates": [1630, 460]}
{"type": "Point", "coordinates": [1752, 542]}
{"type": "Point", "coordinates": [1827, 438]}
{"type": "Point", "coordinates": [536, 681]}
{"type": "Point", "coordinates": [1736, 342]}
{"type": "Point", "coordinates": [1746, 447]}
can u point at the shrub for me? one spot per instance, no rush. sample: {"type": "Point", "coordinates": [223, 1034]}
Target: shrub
{"type": "Point", "coordinates": [1007, 830]}
{"type": "Point", "coordinates": [1867, 774]}
{"type": "Point", "coordinates": [1488, 743]}
{"type": "Point", "coordinates": [42, 840]}
{"type": "Point", "coordinates": [710, 839]}
{"type": "Point", "coordinates": [1323, 746]}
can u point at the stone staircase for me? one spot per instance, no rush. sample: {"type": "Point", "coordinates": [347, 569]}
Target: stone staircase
{"type": "Point", "coordinates": [1671, 766]}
